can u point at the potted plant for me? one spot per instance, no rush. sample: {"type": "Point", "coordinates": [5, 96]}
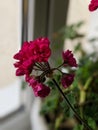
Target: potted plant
{"type": "Point", "coordinates": [82, 93]}
{"type": "Point", "coordinates": [70, 88]}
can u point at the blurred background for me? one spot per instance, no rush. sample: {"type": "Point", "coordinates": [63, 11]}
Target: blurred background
{"type": "Point", "coordinates": [22, 20]}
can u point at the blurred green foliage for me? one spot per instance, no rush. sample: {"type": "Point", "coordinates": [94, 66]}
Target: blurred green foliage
{"type": "Point", "coordinates": [83, 93]}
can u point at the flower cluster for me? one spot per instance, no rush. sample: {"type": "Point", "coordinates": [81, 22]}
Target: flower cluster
{"type": "Point", "coordinates": [69, 59]}
{"type": "Point", "coordinates": [34, 65]}
{"type": "Point", "coordinates": [30, 53]}
{"type": "Point", "coordinates": [93, 5]}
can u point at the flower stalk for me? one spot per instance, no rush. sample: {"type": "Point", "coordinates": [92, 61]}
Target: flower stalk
{"type": "Point", "coordinates": [70, 105]}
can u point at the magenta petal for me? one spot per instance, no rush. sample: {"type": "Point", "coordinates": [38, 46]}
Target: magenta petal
{"type": "Point", "coordinates": [69, 58]}
{"type": "Point", "coordinates": [93, 5]}
{"type": "Point", "coordinates": [19, 72]}
{"type": "Point", "coordinates": [67, 80]}
{"type": "Point", "coordinates": [41, 90]}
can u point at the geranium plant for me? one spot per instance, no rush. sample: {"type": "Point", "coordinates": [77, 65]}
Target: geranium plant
{"type": "Point", "coordinates": [83, 92]}
{"type": "Point", "coordinates": [33, 64]}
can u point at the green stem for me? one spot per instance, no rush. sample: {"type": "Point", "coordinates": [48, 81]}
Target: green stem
{"type": "Point", "coordinates": [39, 66]}
{"type": "Point", "coordinates": [82, 96]}
{"type": "Point", "coordinates": [87, 83]}
{"type": "Point", "coordinates": [70, 105]}
{"type": "Point", "coordinates": [58, 70]}
{"type": "Point", "coordinates": [81, 113]}
{"type": "Point", "coordinates": [60, 66]}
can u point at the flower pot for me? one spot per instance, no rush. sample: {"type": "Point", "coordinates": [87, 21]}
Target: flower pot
{"type": "Point", "coordinates": [37, 121]}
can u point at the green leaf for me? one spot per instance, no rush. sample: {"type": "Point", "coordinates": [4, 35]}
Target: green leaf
{"type": "Point", "coordinates": [92, 123]}
{"type": "Point", "coordinates": [50, 103]}
{"type": "Point", "coordinates": [78, 127]}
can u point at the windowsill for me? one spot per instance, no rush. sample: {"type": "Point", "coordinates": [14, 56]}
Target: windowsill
{"type": "Point", "coordinates": [19, 120]}
{"type": "Point", "coordinates": [10, 99]}
{"type": "Point", "coordinates": [14, 113]}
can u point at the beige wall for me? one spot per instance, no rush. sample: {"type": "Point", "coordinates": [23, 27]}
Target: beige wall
{"type": "Point", "coordinates": [9, 39]}
{"type": "Point", "coordinates": [78, 11]}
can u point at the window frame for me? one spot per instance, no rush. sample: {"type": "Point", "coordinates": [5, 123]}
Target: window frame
{"type": "Point", "coordinates": [31, 12]}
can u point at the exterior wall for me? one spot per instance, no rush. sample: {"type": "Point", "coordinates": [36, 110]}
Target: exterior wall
{"type": "Point", "coordinates": [9, 40]}
{"type": "Point", "coordinates": [78, 11]}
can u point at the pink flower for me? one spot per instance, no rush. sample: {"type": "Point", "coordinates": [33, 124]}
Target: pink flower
{"type": "Point", "coordinates": [67, 80]}
{"type": "Point", "coordinates": [32, 57]}
{"type": "Point", "coordinates": [20, 72]}
{"type": "Point", "coordinates": [69, 59]}
{"type": "Point", "coordinates": [31, 80]}
{"type": "Point", "coordinates": [31, 52]}
{"type": "Point", "coordinates": [40, 49]}
{"type": "Point", "coordinates": [93, 5]}
{"type": "Point", "coordinates": [24, 53]}
{"type": "Point", "coordinates": [24, 67]}
{"type": "Point", "coordinates": [25, 60]}
{"type": "Point", "coordinates": [41, 90]}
